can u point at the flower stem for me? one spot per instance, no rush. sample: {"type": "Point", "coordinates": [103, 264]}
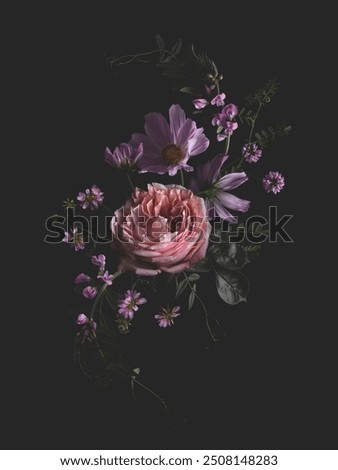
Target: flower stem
{"type": "Point", "coordinates": [130, 182]}
{"type": "Point", "coordinates": [203, 307]}
{"type": "Point", "coordinates": [101, 292]}
{"type": "Point", "coordinates": [227, 145]}
{"type": "Point", "coordinates": [182, 177]}
{"type": "Point", "coordinates": [253, 122]}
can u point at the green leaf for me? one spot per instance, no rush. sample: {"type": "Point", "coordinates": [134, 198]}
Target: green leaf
{"type": "Point", "coordinates": [232, 286]}
{"type": "Point", "coordinates": [202, 266]}
{"type": "Point", "coordinates": [193, 277]}
{"type": "Point", "coordinates": [177, 47]}
{"type": "Point", "coordinates": [181, 288]}
{"type": "Point", "coordinates": [190, 90]}
{"type": "Point", "coordinates": [192, 297]}
{"type": "Point", "coordinates": [159, 41]}
{"type": "Point", "coordinates": [228, 256]}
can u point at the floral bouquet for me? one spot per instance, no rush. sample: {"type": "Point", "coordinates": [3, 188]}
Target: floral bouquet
{"type": "Point", "coordinates": [180, 223]}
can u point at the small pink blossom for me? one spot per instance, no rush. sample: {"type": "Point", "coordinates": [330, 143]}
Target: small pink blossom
{"type": "Point", "coordinates": [82, 279]}
{"type": "Point", "coordinates": [106, 278]}
{"type": "Point", "coordinates": [89, 292]}
{"type": "Point", "coordinates": [129, 304]}
{"type": "Point", "coordinates": [218, 100]}
{"type": "Point", "coordinates": [200, 103]}
{"type": "Point", "coordinates": [166, 316]}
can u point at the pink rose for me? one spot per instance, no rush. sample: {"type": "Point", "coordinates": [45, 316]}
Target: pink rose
{"type": "Point", "coordinates": [162, 229]}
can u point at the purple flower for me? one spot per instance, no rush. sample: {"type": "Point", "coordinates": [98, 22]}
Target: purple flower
{"type": "Point", "coordinates": [129, 304]}
{"type": "Point", "coordinates": [106, 278]}
{"type": "Point", "coordinates": [82, 319]}
{"type": "Point", "coordinates": [200, 103]}
{"type": "Point", "coordinates": [166, 316]}
{"type": "Point", "coordinates": [168, 147]}
{"type": "Point", "coordinates": [91, 198]}
{"type": "Point", "coordinates": [218, 200]}
{"type": "Point", "coordinates": [82, 279]}
{"type": "Point", "coordinates": [89, 292]}
{"type": "Point", "coordinates": [88, 325]}
{"type": "Point", "coordinates": [124, 156]}
{"type": "Point", "coordinates": [251, 152]}
{"type": "Point", "coordinates": [100, 261]}
{"type": "Point", "coordinates": [273, 182]}
{"type": "Point", "coordinates": [218, 100]}
{"type": "Point", "coordinates": [75, 239]}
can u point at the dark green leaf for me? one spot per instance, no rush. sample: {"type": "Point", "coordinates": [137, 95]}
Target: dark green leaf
{"type": "Point", "coordinates": [190, 90]}
{"type": "Point", "coordinates": [228, 256]}
{"type": "Point", "coordinates": [177, 47]}
{"type": "Point", "coordinates": [181, 287]}
{"type": "Point", "coordinates": [192, 297]}
{"type": "Point", "coordinates": [202, 266]}
{"type": "Point", "coordinates": [193, 277]}
{"type": "Point", "coordinates": [232, 286]}
{"type": "Point", "coordinates": [159, 41]}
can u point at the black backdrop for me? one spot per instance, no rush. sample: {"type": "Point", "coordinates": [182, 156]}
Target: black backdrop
{"type": "Point", "coordinates": [256, 389]}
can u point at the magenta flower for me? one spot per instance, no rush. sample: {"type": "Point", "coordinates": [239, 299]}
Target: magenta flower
{"type": "Point", "coordinates": [166, 316]}
{"type": "Point", "coordinates": [273, 182]}
{"type": "Point", "coordinates": [216, 189]}
{"type": "Point", "coordinates": [89, 292]}
{"type": "Point", "coordinates": [129, 304]}
{"type": "Point", "coordinates": [91, 198]}
{"type": "Point", "coordinates": [106, 278]}
{"type": "Point", "coordinates": [218, 100]}
{"type": "Point", "coordinates": [125, 156]}
{"type": "Point", "coordinates": [168, 146]}
{"type": "Point", "coordinates": [200, 103]}
{"type": "Point", "coordinates": [75, 239]}
{"type": "Point", "coordinates": [251, 153]}
{"type": "Point", "coordinates": [100, 261]}
{"type": "Point", "coordinates": [88, 325]}
{"type": "Point", "coordinates": [82, 279]}
{"type": "Point", "coordinates": [225, 120]}
{"type": "Point", "coordinates": [82, 319]}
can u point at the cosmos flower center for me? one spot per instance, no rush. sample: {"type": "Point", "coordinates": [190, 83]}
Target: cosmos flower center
{"type": "Point", "coordinates": [172, 154]}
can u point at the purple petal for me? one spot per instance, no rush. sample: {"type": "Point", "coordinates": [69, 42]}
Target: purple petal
{"type": "Point", "coordinates": [233, 202]}
{"type": "Point", "coordinates": [223, 212]}
{"type": "Point", "coordinates": [199, 144]}
{"type": "Point", "coordinates": [232, 181]}
{"type": "Point", "coordinates": [82, 278]}
{"type": "Point", "coordinates": [157, 128]}
{"type": "Point", "coordinates": [177, 118]}
{"type": "Point", "coordinates": [216, 166]}
{"type": "Point", "coordinates": [200, 103]}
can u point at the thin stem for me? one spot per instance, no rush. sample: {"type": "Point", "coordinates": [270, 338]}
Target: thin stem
{"type": "Point", "coordinates": [132, 57]}
{"type": "Point", "coordinates": [227, 145]}
{"type": "Point", "coordinates": [101, 292]}
{"type": "Point", "coordinates": [253, 122]}
{"type": "Point", "coordinates": [182, 177]}
{"type": "Point", "coordinates": [203, 307]}
{"type": "Point", "coordinates": [107, 208]}
{"type": "Point", "coordinates": [130, 182]}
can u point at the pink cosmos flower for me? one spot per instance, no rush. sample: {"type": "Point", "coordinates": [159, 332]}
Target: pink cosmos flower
{"type": "Point", "coordinates": [166, 316]}
{"type": "Point", "coordinates": [207, 179]}
{"type": "Point", "coordinates": [168, 146]}
{"type": "Point", "coordinates": [162, 229]}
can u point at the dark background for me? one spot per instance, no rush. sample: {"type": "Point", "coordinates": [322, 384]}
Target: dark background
{"type": "Point", "coordinates": [269, 384]}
